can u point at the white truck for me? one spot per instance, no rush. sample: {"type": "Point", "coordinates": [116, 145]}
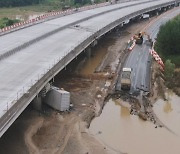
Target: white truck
{"type": "Point", "coordinates": [126, 79]}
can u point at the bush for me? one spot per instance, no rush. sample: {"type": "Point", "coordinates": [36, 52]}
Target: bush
{"type": "Point", "coordinates": [169, 69]}
{"type": "Point", "coordinates": [7, 22]}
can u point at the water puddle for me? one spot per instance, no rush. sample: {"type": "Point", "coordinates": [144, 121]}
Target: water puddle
{"type": "Point", "coordinates": [126, 133]}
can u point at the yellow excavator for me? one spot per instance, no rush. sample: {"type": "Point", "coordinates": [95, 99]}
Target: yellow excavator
{"type": "Point", "coordinates": [139, 37]}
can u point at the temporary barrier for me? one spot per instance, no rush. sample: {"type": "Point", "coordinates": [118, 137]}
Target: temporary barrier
{"type": "Point", "coordinates": [157, 58]}
{"type": "Point", "coordinates": [133, 41]}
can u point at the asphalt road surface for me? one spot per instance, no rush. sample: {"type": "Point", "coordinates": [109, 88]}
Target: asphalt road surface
{"type": "Point", "coordinates": [140, 61]}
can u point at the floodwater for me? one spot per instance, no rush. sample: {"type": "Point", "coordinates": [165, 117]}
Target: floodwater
{"type": "Point", "coordinates": [126, 133]}
{"type": "Point", "coordinates": [97, 54]}
{"type": "Point", "coordinates": [169, 112]}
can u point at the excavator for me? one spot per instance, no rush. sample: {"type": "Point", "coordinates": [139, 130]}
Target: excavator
{"type": "Point", "coordinates": [140, 37]}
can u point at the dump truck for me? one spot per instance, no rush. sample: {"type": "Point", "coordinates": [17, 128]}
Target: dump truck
{"type": "Point", "coordinates": [126, 79]}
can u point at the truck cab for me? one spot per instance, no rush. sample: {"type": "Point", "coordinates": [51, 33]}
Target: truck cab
{"type": "Point", "coordinates": [126, 79]}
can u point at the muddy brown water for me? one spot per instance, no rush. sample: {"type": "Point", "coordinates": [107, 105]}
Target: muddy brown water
{"type": "Point", "coordinates": [126, 133]}
{"type": "Point", "coordinates": [169, 112]}
{"type": "Point", "coordinates": [97, 55]}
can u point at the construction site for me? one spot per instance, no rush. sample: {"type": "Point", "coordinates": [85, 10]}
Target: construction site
{"type": "Point", "coordinates": [106, 109]}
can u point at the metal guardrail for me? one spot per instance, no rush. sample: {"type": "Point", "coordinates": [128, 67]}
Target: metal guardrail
{"type": "Point", "coordinates": [19, 105]}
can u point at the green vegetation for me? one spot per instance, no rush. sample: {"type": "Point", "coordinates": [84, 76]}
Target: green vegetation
{"type": "Point", "coordinates": [55, 3]}
{"type": "Point", "coordinates": [10, 3]}
{"type": "Point", "coordinates": [168, 45]}
{"type": "Point", "coordinates": [169, 69]}
{"type": "Point", "coordinates": [7, 22]}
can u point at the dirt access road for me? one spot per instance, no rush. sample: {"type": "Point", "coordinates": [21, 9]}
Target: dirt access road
{"type": "Point", "coordinates": [52, 132]}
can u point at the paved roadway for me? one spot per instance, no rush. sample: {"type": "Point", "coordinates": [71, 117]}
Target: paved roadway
{"type": "Point", "coordinates": [140, 60]}
{"type": "Point", "coordinates": [21, 70]}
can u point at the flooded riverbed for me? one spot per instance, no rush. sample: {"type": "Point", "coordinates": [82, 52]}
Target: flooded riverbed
{"type": "Point", "coordinates": [169, 112]}
{"type": "Point", "coordinates": [126, 133]}
{"type": "Point", "coordinates": [97, 55]}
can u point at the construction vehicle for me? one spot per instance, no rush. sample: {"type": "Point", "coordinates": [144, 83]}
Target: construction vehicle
{"type": "Point", "coordinates": [126, 79]}
{"type": "Point", "coordinates": [140, 37]}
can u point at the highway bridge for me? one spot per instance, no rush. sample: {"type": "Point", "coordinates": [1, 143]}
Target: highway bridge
{"type": "Point", "coordinates": [31, 56]}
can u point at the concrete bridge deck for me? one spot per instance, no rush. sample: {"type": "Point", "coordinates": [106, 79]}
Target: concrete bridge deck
{"type": "Point", "coordinates": [49, 47]}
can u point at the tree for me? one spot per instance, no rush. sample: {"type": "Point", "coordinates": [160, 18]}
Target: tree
{"type": "Point", "coordinates": [168, 37]}
{"type": "Point", "coordinates": [9, 3]}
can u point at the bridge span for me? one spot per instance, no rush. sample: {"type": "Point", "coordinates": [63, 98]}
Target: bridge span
{"type": "Point", "coordinates": [30, 57]}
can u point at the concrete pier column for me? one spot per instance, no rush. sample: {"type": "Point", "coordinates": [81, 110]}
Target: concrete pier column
{"type": "Point", "coordinates": [88, 52]}
{"type": "Point", "coordinates": [94, 43]}
{"type": "Point", "coordinates": [37, 103]}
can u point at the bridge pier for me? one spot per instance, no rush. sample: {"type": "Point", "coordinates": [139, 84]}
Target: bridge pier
{"type": "Point", "coordinates": [38, 100]}
{"type": "Point", "coordinates": [157, 13]}
{"type": "Point", "coordinates": [177, 4]}
{"type": "Point", "coordinates": [94, 43]}
{"type": "Point", "coordinates": [88, 52]}
{"type": "Point", "coordinates": [37, 103]}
